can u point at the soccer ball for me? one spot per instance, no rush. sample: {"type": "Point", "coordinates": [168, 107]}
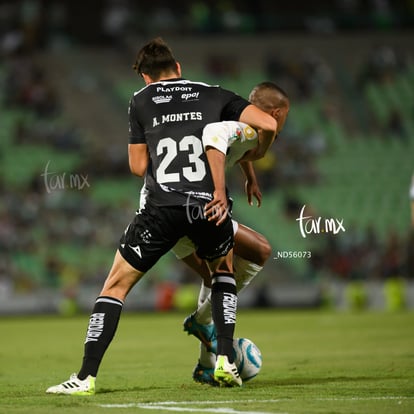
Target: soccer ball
{"type": "Point", "coordinates": [247, 357]}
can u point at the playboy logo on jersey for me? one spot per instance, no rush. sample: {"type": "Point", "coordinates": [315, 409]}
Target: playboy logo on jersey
{"type": "Point", "coordinates": [161, 99]}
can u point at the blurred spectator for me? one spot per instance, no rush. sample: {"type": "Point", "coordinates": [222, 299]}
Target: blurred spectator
{"type": "Point", "coordinates": [32, 23]}
{"type": "Point", "coordinates": [163, 20]}
{"type": "Point", "coordinates": [63, 222]}
{"type": "Point", "coordinates": [58, 21]}
{"type": "Point", "coordinates": [199, 17]}
{"type": "Point", "coordinates": [221, 66]}
{"type": "Point", "coordinates": [39, 96]}
{"type": "Point", "coordinates": [409, 255]}
{"type": "Point", "coordinates": [392, 257]}
{"type": "Point", "coordinates": [395, 126]}
{"type": "Point", "coordinates": [115, 21]}
{"type": "Point", "coordinates": [310, 73]}
{"type": "Point", "coordinates": [381, 66]}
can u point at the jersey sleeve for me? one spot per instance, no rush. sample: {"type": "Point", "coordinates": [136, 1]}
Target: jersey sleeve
{"type": "Point", "coordinates": [233, 107]}
{"type": "Point", "coordinates": [219, 135]}
{"type": "Point", "coordinates": [136, 131]}
{"type": "Point", "coordinates": [231, 138]}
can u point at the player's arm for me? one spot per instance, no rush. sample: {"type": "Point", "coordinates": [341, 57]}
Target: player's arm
{"type": "Point", "coordinates": [217, 209]}
{"type": "Point", "coordinates": [215, 143]}
{"type": "Point", "coordinates": [220, 136]}
{"type": "Point", "coordinates": [266, 127]}
{"type": "Point", "coordinates": [138, 155]}
{"type": "Point", "coordinates": [138, 158]}
{"type": "Point", "coordinates": [251, 185]}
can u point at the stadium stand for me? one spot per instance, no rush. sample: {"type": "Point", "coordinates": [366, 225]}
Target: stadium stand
{"type": "Point", "coordinates": [346, 153]}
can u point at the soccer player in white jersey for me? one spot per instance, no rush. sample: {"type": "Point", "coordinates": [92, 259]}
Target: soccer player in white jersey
{"type": "Point", "coordinates": [251, 249]}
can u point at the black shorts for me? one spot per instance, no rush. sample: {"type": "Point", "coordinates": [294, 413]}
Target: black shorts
{"type": "Point", "coordinates": [155, 230]}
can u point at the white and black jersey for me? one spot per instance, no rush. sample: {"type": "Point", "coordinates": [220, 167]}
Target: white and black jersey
{"type": "Point", "coordinates": [169, 117]}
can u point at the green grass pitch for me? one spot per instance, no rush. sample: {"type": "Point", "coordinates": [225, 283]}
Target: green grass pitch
{"type": "Point", "coordinates": [313, 362]}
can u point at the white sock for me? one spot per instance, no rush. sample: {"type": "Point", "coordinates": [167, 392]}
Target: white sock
{"type": "Point", "coordinates": [203, 312]}
{"type": "Point", "coordinates": [207, 359]}
{"type": "Point", "coordinates": [244, 272]}
{"type": "Point", "coordinates": [204, 292]}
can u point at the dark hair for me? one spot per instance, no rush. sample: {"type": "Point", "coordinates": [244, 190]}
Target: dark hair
{"type": "Point", "coordinates": [154, 58]}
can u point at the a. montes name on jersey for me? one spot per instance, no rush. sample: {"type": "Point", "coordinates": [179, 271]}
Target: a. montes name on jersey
{"type": "Point", "coordinates": [180, 117]}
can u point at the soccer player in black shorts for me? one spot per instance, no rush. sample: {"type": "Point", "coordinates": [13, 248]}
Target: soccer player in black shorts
{"type": "Point", "coordinates": [166, 119]}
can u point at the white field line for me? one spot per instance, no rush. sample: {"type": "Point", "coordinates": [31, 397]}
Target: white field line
{"type": "Point", "coordinates": [180, 405]}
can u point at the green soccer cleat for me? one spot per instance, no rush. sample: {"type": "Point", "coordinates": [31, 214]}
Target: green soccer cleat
{"type": "Point", "coordinates": [204, 375]}
{"type": "Point", "coordinates": [205, 333]}
{"type": "Point", "coordinates": [226, 373]}
{"type": "Point", "coordinates": [74, 386]}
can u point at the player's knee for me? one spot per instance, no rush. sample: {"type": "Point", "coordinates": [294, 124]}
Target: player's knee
{"type": "Point", "coordinates": [264, 250]}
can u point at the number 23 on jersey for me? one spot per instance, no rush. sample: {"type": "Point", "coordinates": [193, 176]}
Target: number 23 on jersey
{"type": "Point", "coordinates": [189, 147]}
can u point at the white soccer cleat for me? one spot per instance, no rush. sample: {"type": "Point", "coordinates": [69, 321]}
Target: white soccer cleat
{"type": "Point", "coordinates": [74, 386]}
{"type": "Point", "coordinates": [226, 373]}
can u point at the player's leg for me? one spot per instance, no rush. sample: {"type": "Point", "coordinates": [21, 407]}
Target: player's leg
{"type": "Point", "coordinates": [251, 250]}
{"type": "Point", "coordinates": [135, 256]}
{"type": "Point", "coordinates": [198, 265]}
{"type": "Point", "coordinates": [102, 326]}
{"type": "Point", "coordinates": [215, 244]}
{"type": "Point", "coordinates": [224, 311]}
{"type": "Point", "coordinates": [108, 306]}
{"type": "Point", "coordinates": [202, 329]}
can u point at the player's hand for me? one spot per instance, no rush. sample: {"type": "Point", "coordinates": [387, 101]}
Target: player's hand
{"type": "Point", "coordinates": [218, 208]}
{"type": "Point", "coordinates": [252, 190]}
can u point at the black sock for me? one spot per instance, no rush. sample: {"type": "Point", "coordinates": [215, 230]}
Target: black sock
{"type": "Point", "coordinates": [101, 329]}
{"type": "Point", "coordinates": [224, 309]}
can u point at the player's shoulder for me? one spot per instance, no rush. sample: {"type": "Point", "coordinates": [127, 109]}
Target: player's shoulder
{"type": "Point", "coordinates": [238, 128]}
{"type": "Point", "coordinates": [174, 86]}
{"type": "Point", "coordinates": [247, 131]}
{"type": "Point", "coordinates": [140, 91]}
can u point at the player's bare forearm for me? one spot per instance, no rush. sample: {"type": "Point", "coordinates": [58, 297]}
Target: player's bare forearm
{"type": "Point", "coordinates": [265, 140]}
{"type": "Point", "coordinates": [265, 125]}
{"type": "Point", "coordinates": [251, 186]}
{"type": "Point", "coordinates": [258, 119]}
{"type": "Point", "coordinates": [217, 209]}
{"type": "Point", "coordinates": [248, 170]}
{"type": "Point", "coordinates": [217, 162]}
